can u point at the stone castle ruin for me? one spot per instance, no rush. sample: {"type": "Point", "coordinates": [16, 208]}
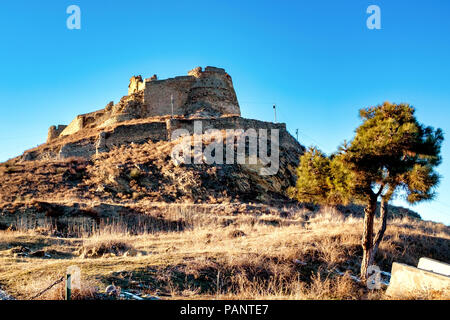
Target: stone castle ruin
{"type": "Point", "coordinates": [207, 93]}
{"type": "Point", "coordinates": [152, 109]}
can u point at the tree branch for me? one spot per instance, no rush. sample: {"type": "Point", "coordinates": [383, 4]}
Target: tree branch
{"type": "Point", "coordinates": [380, 191]}
{"type": "Point", "coordinates": [383, 217]}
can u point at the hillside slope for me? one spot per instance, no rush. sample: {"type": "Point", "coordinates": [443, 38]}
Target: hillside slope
{"type": "Point", "coordinates": [132, 217]}
{"type": "Point", "coordinates": [133, 175]}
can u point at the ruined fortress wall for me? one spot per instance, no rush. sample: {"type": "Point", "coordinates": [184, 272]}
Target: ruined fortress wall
{"type": "Point", "coordinates": [213, 90]}
{"type": "Point", "coordinates": [286, 139]}
{"type": "Point", "coordinates": [84, 121]}
{"type": "Point", "coordinates": [160, 131]}
{"type": "Point", "coordinates": [137, 133]}
{"type": "Point", "coordinates": [136, 84]}
{"type": "Point", "coordinates": [210, 91]}
{"type": "Point", "coordinates": [203, 95]}
{"type": "Point", "coordinates": [120, 135]}
{"type": "Point", "coordinates": [157, 95]}
{"type": "Point", "coordinates": [223, 124]}
{"type": "Point", "coordinates": [55, 131]}
{"type": "Point", "coordinates": [83, 148]}
{"type": "Point", "coordinates": [75, 126]}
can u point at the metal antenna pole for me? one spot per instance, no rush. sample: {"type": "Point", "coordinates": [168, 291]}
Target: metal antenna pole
{"type": "Point", "coordinates": [171, 101]}
{"type": "Point", "coordinates": [275, 112]}
{"type": "Point", "coordinates": [296, 133]}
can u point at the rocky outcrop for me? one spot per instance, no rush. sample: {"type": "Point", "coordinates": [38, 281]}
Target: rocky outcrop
{"type": "Point", "coordinates": [100, 145]}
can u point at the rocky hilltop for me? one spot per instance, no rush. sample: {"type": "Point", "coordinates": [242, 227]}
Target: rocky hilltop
{"type": "Point", "coordinates": [121, 155]}
{"type": "Point", "coordinates": [117, 161]}
{"type": "Point", "coordinates": [152, 110]}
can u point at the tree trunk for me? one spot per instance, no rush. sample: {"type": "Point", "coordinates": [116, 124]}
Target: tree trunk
{"type": "Point", "coordinates": [380, 233]}
{"type": "Point", "coordinates": [367, 238]}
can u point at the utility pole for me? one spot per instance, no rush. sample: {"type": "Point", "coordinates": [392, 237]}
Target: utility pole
{"type": "Point", "coordinates": [296, 133]}
{"type": "Point", "coordinates": [171, 101]}
{"type": "Point", "coordinates": [275, 112]}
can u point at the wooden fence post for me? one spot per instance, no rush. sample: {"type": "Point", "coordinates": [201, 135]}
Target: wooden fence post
{"type": "Point", "coordinates": [68, 286]}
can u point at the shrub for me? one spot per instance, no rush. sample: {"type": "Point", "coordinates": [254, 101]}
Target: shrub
{"type": "Point", "coordinates": [135, 173]}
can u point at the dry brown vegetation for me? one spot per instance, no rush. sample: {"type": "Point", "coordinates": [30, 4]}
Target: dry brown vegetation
{"type": "Point", "coordinates": [295, 255]}
{"type": "Point", "coordinates": [131, 218]}
{"type": "Point", "coordinates": [127, 174]}
{"type": "Point", "coordinates": [136, 174]}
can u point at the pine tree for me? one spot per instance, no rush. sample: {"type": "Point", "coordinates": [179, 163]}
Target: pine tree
{"type": "Point", "coordinates": [392, 154]}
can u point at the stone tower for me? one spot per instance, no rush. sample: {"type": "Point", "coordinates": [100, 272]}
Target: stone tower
{"type": "Point", "coordinates": [208, 93]}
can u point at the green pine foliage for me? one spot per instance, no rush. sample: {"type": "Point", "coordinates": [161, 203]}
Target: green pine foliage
{"type": "Point", "coordinates": [392, 154]}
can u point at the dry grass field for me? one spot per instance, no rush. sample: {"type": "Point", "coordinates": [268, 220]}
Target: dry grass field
{"type": "Point", "coordinates": [295, 255]}
{"type": "Point", "coordinates": [131, 218]}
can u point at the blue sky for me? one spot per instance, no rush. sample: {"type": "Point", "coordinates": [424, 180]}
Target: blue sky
{"type": "Point", "coordinates": [316, 60]}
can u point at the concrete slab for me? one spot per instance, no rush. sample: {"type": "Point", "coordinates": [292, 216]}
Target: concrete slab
{"type": "Point", "coordinates": [410, 281]}
{"type": "Point", "coordinates": [434, 266]}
